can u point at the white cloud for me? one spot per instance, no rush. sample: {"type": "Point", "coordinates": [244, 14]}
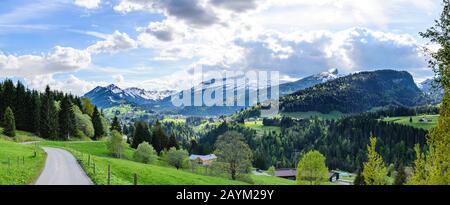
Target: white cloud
{"type": "Point", "coordinates": [58, 60]}
{"type": "Point", "coordinates": [194, 12]}
{"type": "Point", "coordinates": [113, 43]}
{"type": "Point", "coordinates": [89, 4]}
{"type": "Point", "coordinates": [303, 53]}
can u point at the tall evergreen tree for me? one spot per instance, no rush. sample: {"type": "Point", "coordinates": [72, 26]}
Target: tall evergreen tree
{"type": "Point", "coordinates": [434, 166]}
{"type": "Point", "coordinates": [8, 96]}
{"type": "Point", "coordinates": [20, 111]}
{"type": "Point", "coordinates": [35, 113]}
{"type": "Point", "coordinates": [66, 119]}
{"type": "Point", "coordinates": [9, 123]}
{"type": "Point", "coordinates": [172, 142]}
{"type": "Point", "coordinates": [375, 171]}
{"type": "Point", "coordinates": [115, 125]}
{"type": "Point", "coordinates": [141, 134]}
{"type": "Point", "coordinates": [159, 138]}
{"type": "Point", "coordinates": [48, 116]}
{"type": "Point", "coordinates": [98, 125]}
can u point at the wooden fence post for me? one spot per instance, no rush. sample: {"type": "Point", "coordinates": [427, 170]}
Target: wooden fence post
{"type": "Point", "coordinates": [94, 167]}
{"type": "Point", "coordinates": [135, 179]}
{"type": "Point", "coordinates": [23, 160]}
{"type": "Point", "coordinates": [89, 160]}
{"type": "Point", "coordinates": [109, 174]}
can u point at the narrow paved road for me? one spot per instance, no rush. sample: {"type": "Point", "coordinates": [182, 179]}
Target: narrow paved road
{"type": "Point", "coordinates": [61, 168]}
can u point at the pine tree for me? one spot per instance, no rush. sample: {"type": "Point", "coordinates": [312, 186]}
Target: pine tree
{"type": "Point", "coordinates": [9, 123]}
{"type": "Point", "coordinates": [98, 125]}
{"type": "Point", "coordinates": [66, 119]}
{"type": "Point", "coordinates": [375, 171]}
{"type": "Point", "coordinates": [141, 134]}
{"type": "Point", "coordinates": [20, 111]}
{"type": "Point", "coordinates": [433, 167]}
{"type": "Point", "coordinates": [159, 140]}
{"type": "Point", "coordinates": [8, 96]}
{"type": "Point", "coordinates": [115, 125]}
{"type": "Point", "coordinates": [35, 112]}
{"type": "Point", "coordinates": [48, 121]}
{"type": "Point", "coordinates": [172, 142]}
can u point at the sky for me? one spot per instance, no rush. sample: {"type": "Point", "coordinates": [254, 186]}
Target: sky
{"type": "Point", "coordinates": [76, 45]}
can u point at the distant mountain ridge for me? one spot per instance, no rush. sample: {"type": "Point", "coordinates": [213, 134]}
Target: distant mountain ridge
{"type": "Point", "coordinates": [357, 93]}
{"type": "Point", "coordinates": [112, 95]}
{"type": "Point", "coordinates": [433, 90]}
{"type": "Point", "coordinates": [291, 87]}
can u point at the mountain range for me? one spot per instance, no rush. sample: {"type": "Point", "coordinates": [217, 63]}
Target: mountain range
{"type": "Point", "coordinates": [112, 95]}
{"type": "Point", "coordinates": [323, 92]}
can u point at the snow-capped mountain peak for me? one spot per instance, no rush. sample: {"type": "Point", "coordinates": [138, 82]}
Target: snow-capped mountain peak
{"type": "Point", "coordinates": [113, 95]}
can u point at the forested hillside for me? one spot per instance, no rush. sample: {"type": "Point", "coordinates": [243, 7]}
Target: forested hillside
{"type": "Point", "coordinates": [51, 114]}
{"type": "Point", "coordinates": [357, 93]}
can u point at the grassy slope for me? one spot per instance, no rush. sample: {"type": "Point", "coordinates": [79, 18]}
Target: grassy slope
{"type": "Point", "coordinates": [415, 123]}
{"type": "Point", "coordinates": [260, 128]}
{"type": "Point", "coordinates": [301, 115]}
{"type": "Point", "coordinates": [123, 170]}
{"type": "Point", "coordinates": [19, 173]}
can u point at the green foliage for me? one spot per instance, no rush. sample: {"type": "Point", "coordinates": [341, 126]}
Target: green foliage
{"type": "Point", "coordinates": [312, 168]}
{"type": "Point", "coordinates": [159, 138]}
{"type": "Point", "coordinates": [115, 144]}
{"type": "Point", "coordinates": [9, 123]}
{"type": "Point", "coordinates": [375, 171]}
{"type": "Point", "coordinates": [67, 122]}
{"type": "Point", "coordinates": [433, 167]}
{"type": "Point", "coordinates": [141, 134]}
{"type": "Point", "coordinates": [271, 171]}
{"type": "Point", "coordinates": [145, 154]}
{"type": "Point", "coordinates": [233, 154]}
{"type": "Point", "coordinates": [83, 122]}
{"type": "Point", "coordinates": [439, 34]}
{"type": "Point", "coordinates": [177, 158]}
{"type": "Point", "coordinates": [48, 116]}
{"type": "Point", "coordinates": [87, 106]}
{"type": "Point", "coordinates": [99, 130]}
{"type": "Point", "coordinates": [400, 178]}
{"type": "Point", "coordinates": [173, 142]}
{"type": "Point", "coordinates": [115, 125]}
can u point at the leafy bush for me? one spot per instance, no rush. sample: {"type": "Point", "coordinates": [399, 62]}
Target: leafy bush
{"type": "Point", "coordinates": [145, 153]}
{"type": "Point", "coordinates": [115, 144]}
{"type": "Point", "coordinates": [177, 158]}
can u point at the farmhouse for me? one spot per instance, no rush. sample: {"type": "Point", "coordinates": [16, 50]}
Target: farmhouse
{"type": "Point", "coordinates": [291, 174]}
{"type": "Point", "coordinates": [202, 159]}
{"type": "Point", "coordinates": [425, 120]}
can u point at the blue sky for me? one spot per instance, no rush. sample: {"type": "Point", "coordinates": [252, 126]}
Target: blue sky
{"type": "Point", "coordinates": [75, 45]}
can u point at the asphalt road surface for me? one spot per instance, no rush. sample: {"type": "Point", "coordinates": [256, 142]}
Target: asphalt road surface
{"type": "Point", "coordinates": [61, 168]}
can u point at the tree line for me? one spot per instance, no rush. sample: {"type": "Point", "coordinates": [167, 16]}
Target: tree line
{"type": "Point", "coordinates": [50, 114]}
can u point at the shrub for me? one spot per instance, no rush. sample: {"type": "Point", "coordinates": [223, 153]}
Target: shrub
{"type": "Point", "coordinates": [145, 153]}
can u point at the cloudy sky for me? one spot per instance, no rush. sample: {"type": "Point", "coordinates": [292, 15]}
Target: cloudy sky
{"type": "Point", "coordinates": [75, 45]}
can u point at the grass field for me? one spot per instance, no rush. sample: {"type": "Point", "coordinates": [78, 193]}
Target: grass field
{"type": "Point", "coordinates": [415, 123]}
{"type": "Point", "coordinates": [18, 165]}
{"type": "Point", "coordinates": [260, 128]}
{"type": "Point", "coordinates": [123, 170]}
{"type": "Point", "coordinates": [303, 115]}
{"type": "Point", "coordinates": [21, 136]}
